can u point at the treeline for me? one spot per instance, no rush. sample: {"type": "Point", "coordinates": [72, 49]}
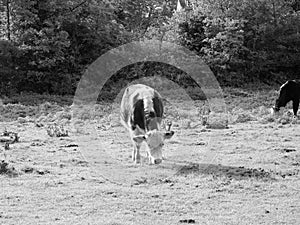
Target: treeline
{"type": "Point", "coordinates": [246, 41]}
{"type": "Point", "coordinates": [46, 45]}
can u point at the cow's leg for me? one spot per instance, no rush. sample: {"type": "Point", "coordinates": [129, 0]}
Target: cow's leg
{"type": "Point", "coordinates": [136, 153]}
{"type": "Point", "coordinates": [138, 156]}
{"type": "Point", "coordinates": [148, 157]}
{"type": "Point", "coordinates": [295, 106]}
{"type": "Point", "coordinates": [133, 152]}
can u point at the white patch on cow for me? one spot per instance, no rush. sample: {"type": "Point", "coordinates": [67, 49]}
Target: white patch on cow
{"type": "Point", "coordinates": [155, 141]}
{"type": "Point", "coordinates": [148, 104]}
{"type": "Point", "coordinates": [272, 111]}
{"type": "Point", "coordinates": [154, 138]}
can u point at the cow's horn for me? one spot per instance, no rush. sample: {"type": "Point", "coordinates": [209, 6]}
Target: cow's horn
{"type": "Point", "coordinates": [169, 124]}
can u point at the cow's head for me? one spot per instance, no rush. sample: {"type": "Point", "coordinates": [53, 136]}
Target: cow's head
{"type": "Point", "coordinates": [154, 142]}
{"type": "Point", "coordinates": [284, 96]}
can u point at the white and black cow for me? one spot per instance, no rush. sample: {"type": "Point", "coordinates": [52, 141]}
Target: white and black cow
{"type": "Point", "coordinates": [289, 91]}
{"type": "Point", "coordinates": [141, 113]}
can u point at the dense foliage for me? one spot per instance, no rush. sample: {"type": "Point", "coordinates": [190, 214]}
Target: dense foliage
{"type": "Point", "coordinates": [46, 45]}
{"type": "Point", "coordinates": [245, 40]}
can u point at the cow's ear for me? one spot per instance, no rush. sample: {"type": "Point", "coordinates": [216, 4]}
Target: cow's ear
{"type": "Point", "coordinates": [169, 134]}
{"type": "Point", "coordinates": [139, 138]}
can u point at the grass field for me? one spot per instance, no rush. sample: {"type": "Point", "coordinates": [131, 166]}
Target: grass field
{"type": "Point", "coordinates": [241, 168]}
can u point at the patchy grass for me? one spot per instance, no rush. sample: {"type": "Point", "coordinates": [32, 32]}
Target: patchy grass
{"type": "Point", "coordinates": [33, 99]}
{"type": "Point", "coordinates": [247, 173]}
{"type": "Point", "coordinates": [242, 106]}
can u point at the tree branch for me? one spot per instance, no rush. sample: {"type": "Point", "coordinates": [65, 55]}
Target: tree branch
{"type": "Point", "coordinates": [77, 6]}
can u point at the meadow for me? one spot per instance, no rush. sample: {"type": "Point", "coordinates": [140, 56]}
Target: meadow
{"type": "Point", "coordinates": [239, 166]}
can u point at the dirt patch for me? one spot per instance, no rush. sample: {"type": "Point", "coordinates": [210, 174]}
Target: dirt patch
{"type": "Point", "coordinates": [226, 171]}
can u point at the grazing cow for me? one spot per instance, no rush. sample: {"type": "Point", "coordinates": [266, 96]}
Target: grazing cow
{"type": "Point", "coordinates": [289, 91]}
{"type": "Point", "coordinates": [141, 113]}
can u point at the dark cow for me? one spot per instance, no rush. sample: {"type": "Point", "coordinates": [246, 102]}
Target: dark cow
{"type": "Point", "coordinates": [290, 91]}
{"type": "Point", "coordinates": [141, 113]}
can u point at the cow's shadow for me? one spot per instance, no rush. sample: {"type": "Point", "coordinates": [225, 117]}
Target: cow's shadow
{"type": "Point", "coordinates": [219, 170]}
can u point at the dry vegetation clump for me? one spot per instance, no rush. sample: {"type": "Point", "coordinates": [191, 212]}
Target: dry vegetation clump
{"type": "Point", "coordinates": [191, 114]}
{"type": "Point", "coordinates": [6, 169]}
{"type": "Point", "coordinates": [243, 106]}
{"type": "Point", "coordinates": [39, 122]}
{"type": "Point", "coordinates": [49, 108]}
{"type": "Point", "coordinates": [31, 113]}
{"type": "Point", "coordinates": [263, 115]}
{"type": "Point", "coordinates": [250, 105]}
{"type": "Point", "coordinates": [101, 116]}
{"type": "Point", "coordinates": [217, 121]}
{"type": "Point", "coordinates": [239, 115]}
{"type": "Point", "coordinates": [11, 112]}
{"type": "Point", "coordinates": [184, 115]}
{"type": "Point", "coordinates": [33, 99]}
{"type": "Point", "coordinates": [32, 169]}
{"type": "Point", "coordinates": [261, 111]}
{"type": "Point", "coordinates": [87, 112]}
{"type": "Point", "coordinates": [284, 116]}
{"type": "Point", "coordinates": [249, 99]}
{"type": "Point", "coordinates": [9, 137]}
{"type": "Point", "coordinates": [267, 119]}
{"type": "Point", "coordinates": [287, 118]}
{"type": "Point", "coordinates": [60, 115]}
{"type": "Point", "coordinates": [55, 130]}
{"type": "Point", "coordinates": [49, 113]}
{"type": "Point", "coordinates": [63, 115]}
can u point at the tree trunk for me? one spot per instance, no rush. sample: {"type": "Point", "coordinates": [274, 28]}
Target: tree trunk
{"type": "Point", "coordinates": [8, 19]}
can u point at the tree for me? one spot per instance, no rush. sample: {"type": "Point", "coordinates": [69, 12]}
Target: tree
{"type": "Point", "coordinates": [5, 17]}
{"type": "Point", "coordinates": [256, 39]}
{"type": "Point", "coordinates": [59, 38]}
